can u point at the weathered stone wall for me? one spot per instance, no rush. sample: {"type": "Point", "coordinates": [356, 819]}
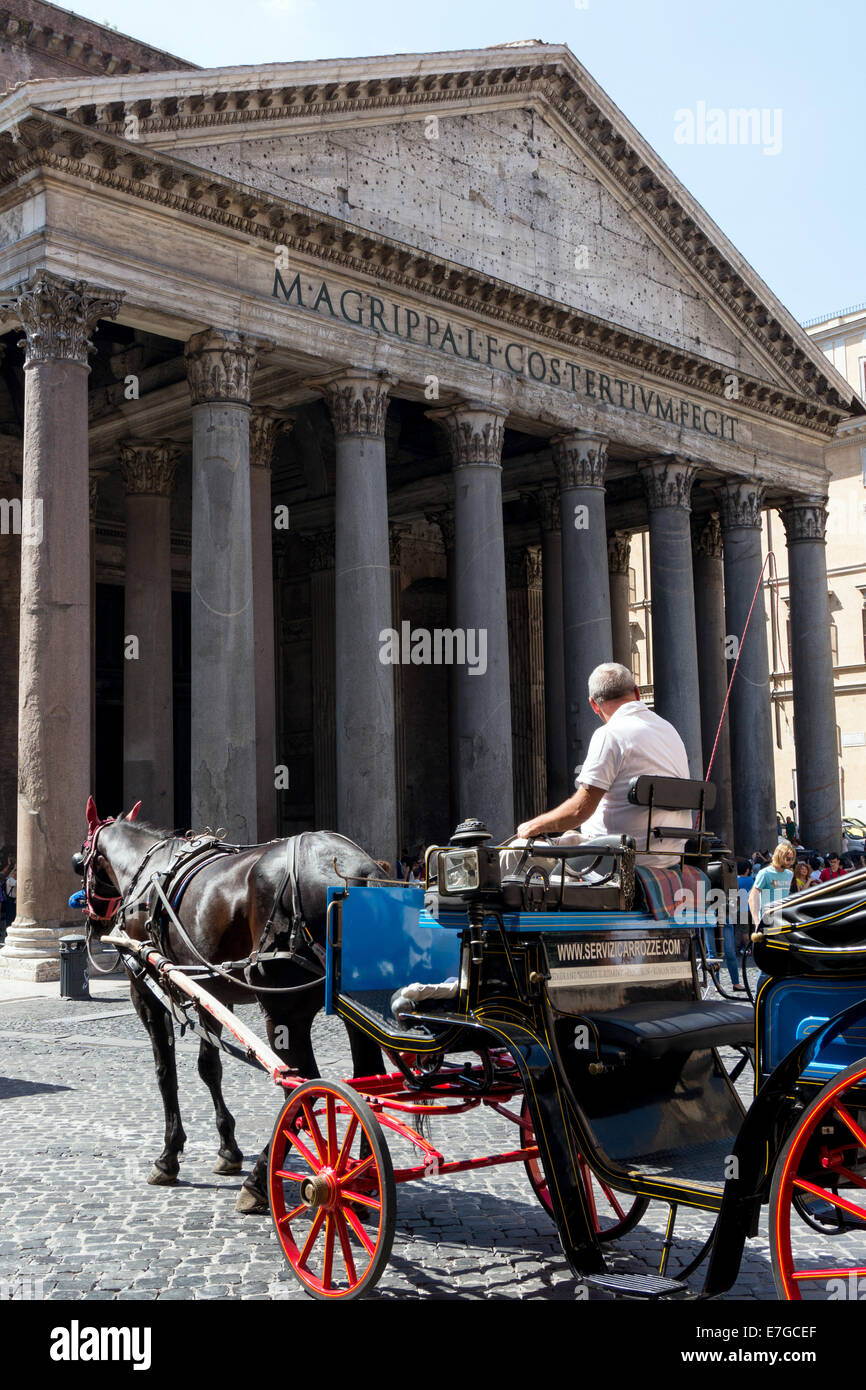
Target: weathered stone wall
{"type": "Point", "coordinates": [499, 191]}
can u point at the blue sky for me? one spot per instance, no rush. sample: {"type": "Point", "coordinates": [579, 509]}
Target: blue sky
{"type": "Point", "coordinates": [796, 214]}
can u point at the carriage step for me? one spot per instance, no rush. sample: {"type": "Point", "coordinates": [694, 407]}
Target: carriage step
{"type": "Point", "coordinates": [637, 1285]}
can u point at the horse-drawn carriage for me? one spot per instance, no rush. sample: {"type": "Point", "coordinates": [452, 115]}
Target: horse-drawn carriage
{"type": "Point", "coordinates": [564, 996]}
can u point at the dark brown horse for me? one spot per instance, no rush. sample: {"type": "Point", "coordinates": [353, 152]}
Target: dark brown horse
{"type": "Point", "coordinates": [224, 912]}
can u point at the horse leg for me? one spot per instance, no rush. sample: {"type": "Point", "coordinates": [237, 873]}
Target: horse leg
{"type": "Point", "coordinates": [210, 1069]}
{"type": "Point", "coordinates": [289, 1036]}
{"type": "Point", "coordinates": [161, 1032]}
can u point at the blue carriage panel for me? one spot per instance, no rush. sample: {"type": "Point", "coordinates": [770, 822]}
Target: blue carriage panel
{"type": "Point", "coordinates": [791, 1008]}
{"type": "Point", "coordinates": [387, 942]}
{"type": "Point", "coordinates": [559, 921]}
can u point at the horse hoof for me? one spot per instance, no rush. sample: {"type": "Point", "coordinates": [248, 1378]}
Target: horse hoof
{"type": "Point", "coordinates": [228, 1165]}
{"type": "Point", "coordinates": [250, 1203]}
{"type": "Point", "coordinates": [157, 1178]}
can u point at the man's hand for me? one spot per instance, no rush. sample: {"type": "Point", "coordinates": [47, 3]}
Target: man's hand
{"type": "Point", "coordinates": [530, 828]}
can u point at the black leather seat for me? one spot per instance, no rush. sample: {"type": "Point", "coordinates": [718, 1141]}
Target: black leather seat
{"type": "Point", "coordinates": [653, 1030]}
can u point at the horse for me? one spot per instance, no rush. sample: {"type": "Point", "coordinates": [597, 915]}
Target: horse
{"type": "Point", "coordinates": [231, 903]}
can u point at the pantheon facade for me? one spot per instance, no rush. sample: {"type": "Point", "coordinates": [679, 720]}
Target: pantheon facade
{"type": "Point", "coordinates": [332, 397]}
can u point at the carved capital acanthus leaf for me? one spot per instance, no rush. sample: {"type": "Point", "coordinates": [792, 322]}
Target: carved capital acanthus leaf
{"type": "Point", "coordinates": [358, 401]}
{"type": "Point", "coordinates": [580, 458]}
{"type": "Point", "coordinates": [707, 538]}
{"type": "Point", "coordinates": [148, 466]}
{"type": "Point", "coordinates": [445, 522]}
{"type": "Point", "coordinates": [533, 567]}
{"type": "Point", "coordinates": [220, 366]}
{"type": "Point", "coordinates": [265, 429]}
{"type": "Point", "coordinates": [476, 431]}
{"type": "Point", "coordinates": [805, 519]}
{"type": "Point", "coordinates": [619, 552]}
{"type": "Point", "coordinates": [740, 504]}
{"type": "Point", "coordinates": [668, 481]}
{"type": "Point", "coordinates": [59, 315]}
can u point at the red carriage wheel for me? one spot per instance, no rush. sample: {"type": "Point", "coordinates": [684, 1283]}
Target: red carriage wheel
{"type": "Point", "coordinates": [332, 1190]}
{"type": "Point", "coordinates": [612, 1215]}
{"type": "Point", "coordinates": [819, 1185]}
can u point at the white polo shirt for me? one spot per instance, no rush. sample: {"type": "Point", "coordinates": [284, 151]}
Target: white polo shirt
{"type": "Point", "coordinates": [635, 740]}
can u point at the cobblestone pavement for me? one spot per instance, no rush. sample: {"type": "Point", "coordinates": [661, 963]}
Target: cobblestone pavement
{"type": "Point", "coordinates": [82, 1123]}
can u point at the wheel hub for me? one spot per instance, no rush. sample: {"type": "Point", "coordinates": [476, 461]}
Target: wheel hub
{"type": "Point", "coordinates": [318, 1191]}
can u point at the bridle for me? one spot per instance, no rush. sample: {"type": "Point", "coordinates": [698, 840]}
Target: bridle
{"type": "Point", "coordinates": [100, 905]}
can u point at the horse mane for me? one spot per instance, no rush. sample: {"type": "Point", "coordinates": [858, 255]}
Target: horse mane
{"type": "Point", "coordinates": [157, 830]}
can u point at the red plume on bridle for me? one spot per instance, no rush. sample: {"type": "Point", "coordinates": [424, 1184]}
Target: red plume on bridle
{"type": "Point", "coordinates": [133, 814]}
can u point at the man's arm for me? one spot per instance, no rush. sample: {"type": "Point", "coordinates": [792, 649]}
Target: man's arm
{"type": "Point", "coordinates": [568, 816]}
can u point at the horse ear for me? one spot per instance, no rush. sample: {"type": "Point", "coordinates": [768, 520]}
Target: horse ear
{"type": "Point", "coordinates": [92, 814]}
{"type": "Point", "coordinates": [133, 814]}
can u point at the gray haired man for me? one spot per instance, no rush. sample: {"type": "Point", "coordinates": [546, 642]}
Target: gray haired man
{"type": "Point", "coordinates": [633, 740]}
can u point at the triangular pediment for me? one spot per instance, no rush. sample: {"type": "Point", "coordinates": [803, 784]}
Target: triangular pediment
{"type": "Point", "coordinates": [510, 162]}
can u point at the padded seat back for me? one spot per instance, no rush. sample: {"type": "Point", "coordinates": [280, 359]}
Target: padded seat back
{"type": "Point", "coordinates": [657, 889]}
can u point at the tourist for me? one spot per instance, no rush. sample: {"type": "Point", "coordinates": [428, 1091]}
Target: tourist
{"type": "Point", "coordinates": [802, 876]}
{"type": "Point", "coordinates": [773, 882]}
{"type": "Point", "coordinates": [816, 864]}
{"type": "Point", "coordinates": [733, 933]}
{"type": "Point", "coordinates": [833, 868]}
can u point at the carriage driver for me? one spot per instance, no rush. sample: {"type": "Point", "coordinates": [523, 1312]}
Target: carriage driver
{"type": "Point", "coordinates": [633, 739]}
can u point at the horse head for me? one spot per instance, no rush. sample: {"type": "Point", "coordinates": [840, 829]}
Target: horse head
{"type": "Point", "coordinates": [100, 881]}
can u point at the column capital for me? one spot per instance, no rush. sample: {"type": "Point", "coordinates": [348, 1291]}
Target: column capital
{"type": "Point", "coordinates": [668, 481]}
{"type": "Point", "coordinates": [445, 521]}
{"type": "Point", "coordinates": [220, 365]}
{"type": "Point", "coordinates": [357, 400]}
{"type": "Point", "coordinates": [740, 502]}
{"type": "Point", "coordinates": [147, 466]}
{"type": "Point", "coordinates": [581, 458]}
{"type": "Point", "coordinates": [619, 552]}
{"type": "Point", "coordinates": [397, 534]}
{"type": "Point", "coordinates": [533, 567]}
{"type": "Point", "coordinates": [94, 479]}
{"type": "Point", "coordinates": [805, 518]}
{"type": "Point", "coordinates": [58, 316]}
{"type": "Point", "coordinates": [707, 537]}
{"type": "Point", "coordinates": [265, 429]}
{"type": "Point", "coordinates": [321, 547]}
{"type": "Point", "coordinates": [476, 430]}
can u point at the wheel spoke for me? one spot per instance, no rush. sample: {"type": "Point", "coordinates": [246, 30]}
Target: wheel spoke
{"type": "Point", "coordinates": [360, 1232]}
{"type": "Point", "coordinates": [358, 1169]}
{"type": "Point", "coordinates": [313, 1127]}
{"type": "Point", "coordinates": [611, 1197]}
{"type": "Point", "coordinates": [343, 1158]}
{"type": "Point", "coordinates": [289, 1216]}
{"type": "Point", "coordinates": [826, 1273]}
{"type": "Point", "coordinates": [848, 1119]}
{"type": "Point", "coordinates": [311, 1238]}
{"type": "Point", "coordinates": [346, 1247]}
{"type": "Point", "coordinates": [290, 1177]}
{"type": "Point", "coordinates": [333, 1145]}
{"type": "Point", "coordinates": [346, 1195]}
{"type": "Point", "coordinates": [327, 1270]}
{"type": "Point", "coordinates": [305, 1153]}
{"type": "Point", "coordinates": [830, 1197]}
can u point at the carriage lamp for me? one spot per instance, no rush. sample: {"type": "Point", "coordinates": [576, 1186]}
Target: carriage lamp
{"type": "Point", "coordinates": [471, 866]}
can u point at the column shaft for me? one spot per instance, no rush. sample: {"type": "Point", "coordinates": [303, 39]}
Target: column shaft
{"type": "Point", "coordinates": [752, 775]}
{"type": "Point", "coordinates": [264, 431]}
{"type": "Point", "coordinates": [709, 585]}
{"type": "Point", "coordinates": [556, 746]}
{"type": "Point", "coordinates": [148, 744]}
{"type": "Point", "coordinates": [582, 459]}
{"type": "Point", "coordinates": [675, 657]}
{"type": "Point", "coordinates": [220, 367]}
{"type": "Point", "coordinates": [818, 798]}
{"type": "Point", "coordinates": [618, 555]}
{"type": "Point", "coordinates": [324, 674]}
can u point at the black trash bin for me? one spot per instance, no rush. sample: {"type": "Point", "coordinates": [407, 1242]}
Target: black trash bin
{"type": "Point", "coordinates": [74, 979]}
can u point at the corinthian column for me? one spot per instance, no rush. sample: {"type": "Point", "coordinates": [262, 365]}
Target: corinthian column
{"type": "Point", "coordinates": [712, 674]}
{"type": "Point", "coordinates": [366, 760]}
{"type": "Point", "coordinates": [55, 686]}
{"type": "Point", "coordinates": [819, 806]}
{"type": "Point", "coordinates": [324, 678]}
{"type": "Point", "coordinates": [753, 782]}
{"type": "Point", "coordinates": [220, 368]}
{"type": "Point", "coordinates": [618, 556]}
{"type": "Point", "coordinates": [265, 428]}
{"type": "Point", "coordinates": [10, 594]}
{"type": "Point", "coordinates": [148, 762]}
{"type": "Point", "coordinates": [676, 690]}
{"type": "Point", "coordinates": [484, 773]}
{"type": "Point", "coordinates": [581, 458]}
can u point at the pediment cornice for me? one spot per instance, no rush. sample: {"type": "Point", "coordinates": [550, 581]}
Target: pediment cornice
{"type": "Point", "coordinates": [40, 139]}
